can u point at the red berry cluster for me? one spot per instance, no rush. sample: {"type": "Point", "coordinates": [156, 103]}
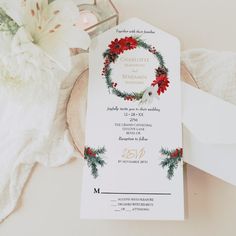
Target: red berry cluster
{"type": "Point", "coordinates": [177, 153]}
{"type": "Point", "coordinates": [118, 46]}
{"type": "Point", "coordinates": [114, 84]}
{"type": "Point", "coordinates": [89, 152]}
{"type": "Point", "coordinates": [106, 65]}
{"type": "Point", "coordinates": [152, 50]}
{"type": "Point", "coordinates": [129, 98]}
{"type": "Point", "coordinates": [162, 81]}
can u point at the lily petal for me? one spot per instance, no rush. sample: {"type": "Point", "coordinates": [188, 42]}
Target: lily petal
{"type": "Point", "coordinates": [78, 38]}
{"type": "Point", "coordinates": [58, 52]}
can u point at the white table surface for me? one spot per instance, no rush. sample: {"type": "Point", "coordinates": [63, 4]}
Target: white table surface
{"type": "Point", "coordinates": [50, 203]}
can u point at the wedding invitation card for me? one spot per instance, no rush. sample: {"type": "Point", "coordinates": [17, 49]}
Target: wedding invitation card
{"type": "Point", "coordinates": [133, 151]}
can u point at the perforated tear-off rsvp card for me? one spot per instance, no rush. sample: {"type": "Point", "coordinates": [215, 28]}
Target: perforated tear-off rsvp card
{"type": "Point", "coordinates": [133, 149]}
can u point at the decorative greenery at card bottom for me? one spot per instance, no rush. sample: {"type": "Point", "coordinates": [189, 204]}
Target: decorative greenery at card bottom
{"type": "Point", "coordinates": [94, 159]}
{"type": "Point", "coordinates": [171, 160]}
{"type": "Point", "coordinates": [119, 46]}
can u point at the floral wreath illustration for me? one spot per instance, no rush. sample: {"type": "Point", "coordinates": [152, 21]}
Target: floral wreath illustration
{"type": "Point", "coordinates": [119, 46]}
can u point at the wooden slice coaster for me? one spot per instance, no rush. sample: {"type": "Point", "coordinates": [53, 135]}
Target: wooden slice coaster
{"type": "Point", "coordinates": [76, 111]}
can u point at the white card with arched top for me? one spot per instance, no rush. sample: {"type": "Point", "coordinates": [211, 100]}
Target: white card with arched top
{"type": "Point", "coordinates": [133, 153]}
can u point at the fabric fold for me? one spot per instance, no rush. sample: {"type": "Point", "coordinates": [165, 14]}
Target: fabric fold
{"type": "Point", "coordinates": [33, 130]}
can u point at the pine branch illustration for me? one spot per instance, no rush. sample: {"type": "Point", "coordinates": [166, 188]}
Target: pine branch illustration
{"type": "Point", "coordinates": [171, 161]}
{"type": "Point", "coordinates": [100, 150]}
{"type": "Point", "coordinates": [165, 152]}
{"type": "Point", "coordinates": [160, 58]}
{"type": "Point", "coordinates": [142, 44]}
{"type": "Point", "coordinates": [93, 158]}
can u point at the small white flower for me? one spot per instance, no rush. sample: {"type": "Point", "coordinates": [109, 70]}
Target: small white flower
{"type": "Point", "coordinates": [50, 26]}
{"type": "Point", "coordinates": [149, 95]}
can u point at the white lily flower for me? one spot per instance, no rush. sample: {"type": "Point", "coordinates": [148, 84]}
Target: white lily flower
{"type": "Point", "coordinates": [23, 60]}
{"type": "Point", "coordinates": [52, 26]}
{"type": "Point", "coordinates": [149, 95]}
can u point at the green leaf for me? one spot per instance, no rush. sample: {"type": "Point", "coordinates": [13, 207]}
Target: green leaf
{"type": "Point", "coordinates": [7, 24]}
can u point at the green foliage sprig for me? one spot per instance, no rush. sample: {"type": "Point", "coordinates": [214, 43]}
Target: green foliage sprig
{"type": "Point", "coordinates": [94, 159]}
{"type": "Point", "coordinates": [171, 160]}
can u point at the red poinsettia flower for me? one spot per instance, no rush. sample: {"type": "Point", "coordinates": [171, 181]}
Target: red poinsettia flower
{"type": "Point", "coordinates": [116, 46]}
{"type": "Point", "coordinates": [177, 153]}
{"type": "Point", "coordinates": [128, 43]}
{"type": "Point", "coordinates": [89, 152]}
{"type": "Point", "coordinates": [163, 82]}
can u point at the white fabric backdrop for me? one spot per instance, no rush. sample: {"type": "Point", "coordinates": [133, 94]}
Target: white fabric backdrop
{"type": "Point", "coordinates": [52, 197]}
{"type": "Point", "coordinates": [33, 129]}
